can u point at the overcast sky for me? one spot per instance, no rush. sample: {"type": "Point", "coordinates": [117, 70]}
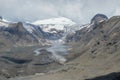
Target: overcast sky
{"type": "Point", "coordinates": [80, 11]}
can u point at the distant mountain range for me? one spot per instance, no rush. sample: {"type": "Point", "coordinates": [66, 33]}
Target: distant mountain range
{"type": "Point", "coordinates": [95, 46]}
{"type": "Point", "coordinates": [41, 31]}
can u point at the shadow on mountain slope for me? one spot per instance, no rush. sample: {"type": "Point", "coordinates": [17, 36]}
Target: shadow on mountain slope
{"type": "Point", "coordinates": [18, 61]}
{"type": "Point", "coordinates": [111, 76]}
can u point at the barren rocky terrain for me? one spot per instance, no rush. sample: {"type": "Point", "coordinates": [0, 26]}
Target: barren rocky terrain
{"type": "Point", "coordinates": [91, 53]}
{"type": "Point", "coordinates": [94, 54]}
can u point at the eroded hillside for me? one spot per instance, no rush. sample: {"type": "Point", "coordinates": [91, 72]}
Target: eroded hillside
{"type": "Point", "coordinates": [94, 54]}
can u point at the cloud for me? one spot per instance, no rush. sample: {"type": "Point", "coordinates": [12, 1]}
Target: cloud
{"type": "Point", "coordinates": [81, 11]}
{"type": "Point", "coordinates": [117, 11]}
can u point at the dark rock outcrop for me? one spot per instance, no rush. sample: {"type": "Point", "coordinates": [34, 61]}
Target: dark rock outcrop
{"type": "Point", "coordinates": [1, 18]}
{"type": "Point", "coordinates": [98, 18]}
{"type": "Point", "coordinates": [111, 76]}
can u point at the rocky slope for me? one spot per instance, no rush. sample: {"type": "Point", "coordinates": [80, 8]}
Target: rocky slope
{"type": "Point", "coordinates": [94, 53]}
{"type": "Point", "coordinates": [40, 32]}
{"type": "Point", "coordinates": [58, 26]}
{"type": "Point", "coordinates": [98, 46]}
{"type": "Point", "coordinates": [103, 38]}
{"type": "Point", "coordinates": [18, 34]}
{"type": "Point", "coordinates": [18, 42]}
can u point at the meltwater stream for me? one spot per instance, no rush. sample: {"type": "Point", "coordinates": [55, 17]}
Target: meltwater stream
{"type": "Point", "coordinates": [58, 51]}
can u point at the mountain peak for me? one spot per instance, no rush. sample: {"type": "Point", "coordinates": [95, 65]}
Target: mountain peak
{"type": "Point", "coordinates": [98, 18]}
{"type": "Point", "coordinates": [59, 20]}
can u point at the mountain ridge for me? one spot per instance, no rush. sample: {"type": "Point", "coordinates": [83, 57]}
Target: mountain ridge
{"type": "Point", "coordinates": [59, 20]}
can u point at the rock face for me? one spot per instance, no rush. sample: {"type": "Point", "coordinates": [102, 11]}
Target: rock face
{"type": "Point", "coordinates": [22, 34]}
{"type": "Point", "coordinates": [98, 18]}
{"type": "Point", "coordinates": [103, 39]}
{"type": "Point", "coordinates": [17, 34]}
{"type": "Point", "coordinates": [96, 21]}
{"type": "Point", "coordinates": [99, 47]}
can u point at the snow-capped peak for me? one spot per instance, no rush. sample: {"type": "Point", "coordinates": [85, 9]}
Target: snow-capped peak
{"type": "Point", "coordinates": [4, 22]}
{"type": "Point", "coordinates": [60, 20]}
{"type": "Point", "coordinates": [54, 23]}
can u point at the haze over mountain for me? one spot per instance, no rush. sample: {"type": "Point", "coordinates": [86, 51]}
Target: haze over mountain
{"type": "Point", "coordinates": [59, 39]}
{"type": "Point", "coordinates": [39, 32]}
{"type": "Point", "coordinates": [79, 11]}
{"type": "Point", "coordinates": [60, 49]}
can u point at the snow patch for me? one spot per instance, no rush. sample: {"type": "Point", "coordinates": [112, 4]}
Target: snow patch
{"type": "Point", "coordinates": [60, 20]}
{"type": "Point", "coordinates": [3, 23]}
{"type": "Point", "coordinates": [28, 27]}
{"type": "Point", "coordinates": [54, 23]}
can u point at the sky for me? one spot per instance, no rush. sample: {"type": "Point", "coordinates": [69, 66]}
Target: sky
{"type": "Point", "coordinates": [80, 11]}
